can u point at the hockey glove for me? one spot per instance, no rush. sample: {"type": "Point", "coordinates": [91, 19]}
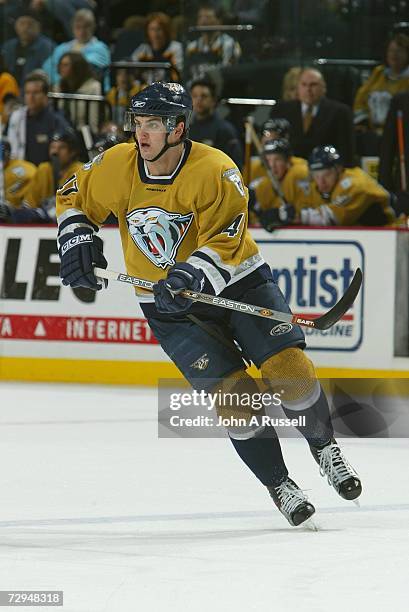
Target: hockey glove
{"type": "Point", "coordinates": [80, 250]}
{"type": "Point", "coordinates": [276, 217]}
{"type": "Point", "coordinates": [180, 276]}
{"type": "Point", "coordinates": [5, 212]}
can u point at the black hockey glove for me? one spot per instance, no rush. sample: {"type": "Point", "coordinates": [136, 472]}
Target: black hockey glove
{"type": "Point", "coordinates": [273, 218]}
{"type": "Point", "coordinates": [180, 276]}
{"type": "Point", "coordinates": [5, 212]}
{"type": "Point", "coordinates": [80, 250]}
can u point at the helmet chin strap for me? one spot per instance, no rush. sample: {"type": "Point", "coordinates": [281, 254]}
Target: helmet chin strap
{"type": "Point", "coordinates": [165, 147]}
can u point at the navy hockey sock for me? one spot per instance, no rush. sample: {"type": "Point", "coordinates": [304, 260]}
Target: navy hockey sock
{"type": "Point", "coordinates": [262, 454]}
{"type": "Point", "coordinates": [318, 429]}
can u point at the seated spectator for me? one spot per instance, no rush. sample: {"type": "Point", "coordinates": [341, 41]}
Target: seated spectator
{"type": "Point", "coordinates": [273, 129]}
{"type": "Point", "coordinates": [29, 50]}
{"type": "Point", "coordinates": [18, 175]}
{"type": "Point", "coordinates": [64, 162]}
{"type": "Point", "coordinates": [159, 47]}
{"type": "Point", "coordinates": [10, 104]}
{"type": "Point", "coordinates": [62, 11]}
{"type": "Point", "coordinates": [211, 49]}
{"type": "Point", "coordinates": [208, 127]}
{"type": "Point", "coordinates": [31, 126]}
{"type": "Point", "coordinates": [390, 170]}
{"type": "Point", "coordinates": [95, 51]}
{"type": "Point", "coordinates": [120, 95]}
{"type": "Point", "coordinates": [265, 200]}
{"type": "Point", "coordinates": [340, 196]}
{"type": "Point", "coordinates": [316, 119]}
{"type": "Point", "coordinates": [77, 78]}
{"type": "Point", "coordinates": [8, 85]}
{"type": "Point", "coordinates": [373, 98]}
{"type": "Point", "coordinates": [290, 84]}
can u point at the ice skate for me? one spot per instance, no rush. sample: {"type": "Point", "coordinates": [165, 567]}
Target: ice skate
{"type": "Point", "coordinates": [340, 474]}
{"type": "Point", "coordinates": [292, 502]}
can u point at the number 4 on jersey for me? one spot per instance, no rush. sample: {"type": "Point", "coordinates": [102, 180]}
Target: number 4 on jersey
{"type": "Point", "coordinates": [234, 227]}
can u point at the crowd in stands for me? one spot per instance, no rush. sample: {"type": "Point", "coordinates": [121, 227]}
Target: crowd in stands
{"type": "Point", "coordinates": [55, 86]}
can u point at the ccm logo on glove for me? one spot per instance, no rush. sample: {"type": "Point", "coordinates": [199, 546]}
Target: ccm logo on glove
{"type": "Point", "coordinates": [72, 242]}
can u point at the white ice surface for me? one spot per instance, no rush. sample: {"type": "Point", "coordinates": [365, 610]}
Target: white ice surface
{"type": "Point", "coordinates": [93, 503]}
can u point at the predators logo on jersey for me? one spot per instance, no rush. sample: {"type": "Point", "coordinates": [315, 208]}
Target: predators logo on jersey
{"type": "Point", "coordinates": [158, 233]}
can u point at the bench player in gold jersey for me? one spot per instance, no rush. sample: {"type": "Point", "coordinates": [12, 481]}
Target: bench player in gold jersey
{"type": "Point", "coordinates": [340, 196]}
{"type": "Point", "coordinates": [182, 215]}
{"type": "Point", "coordinates": [264, 199]}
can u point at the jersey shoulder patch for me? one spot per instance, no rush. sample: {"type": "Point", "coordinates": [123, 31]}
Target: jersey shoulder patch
{"type": "Point", "coordinates": [346, 182]}
{"type": "Point", "coordinates": [233, 175]}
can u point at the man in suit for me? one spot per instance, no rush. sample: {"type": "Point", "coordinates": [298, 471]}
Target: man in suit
{"type": "Point", "coordinates": [317, 120]}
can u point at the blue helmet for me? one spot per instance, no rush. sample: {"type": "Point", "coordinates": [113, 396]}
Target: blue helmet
{"type": "Point", "coordinates": [279, 146]}
{"type": "Point", "coordinates": [170, 101]}
{"type": "Point", "coordinates": [279, 125]}
{"type": "Point", "coordinates": [324, 157]}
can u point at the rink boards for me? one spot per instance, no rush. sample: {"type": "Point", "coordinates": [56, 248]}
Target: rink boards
{"type": "Point", "coordinates": [53, 333]}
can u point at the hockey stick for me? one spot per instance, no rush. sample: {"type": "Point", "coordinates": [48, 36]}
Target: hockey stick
{"type": "Point", "coordinates": [326, 321]}
{"type": "Point", "coordinates": [401, 147]}
{"type": "Point", "coordinates": [2, 184]}
{"type": "Point", "coordinates": [274, 182]}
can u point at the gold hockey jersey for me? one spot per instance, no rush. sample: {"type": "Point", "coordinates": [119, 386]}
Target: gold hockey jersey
{"type": "Point", "coordinates": [266, 197]}
{"type": "Point", "coordinates": [18, 174]}
{"type": "Point", "coordinates": [198, 214]}
{"type": "Point", "coordinates": [373, 98]}
{"type": "Point", "coordinates": [42, 186]}
{"type": "Point", "coordinates": [357, 199]}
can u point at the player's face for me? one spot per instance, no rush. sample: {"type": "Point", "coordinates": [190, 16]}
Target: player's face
{"type": "Point", "coordinates": [62, 151]}
{"type": "Point", "coordinates": [326, 179]}
{"type": "Point", "coordinates": [150, 134]}
{"type": "Point", "coordinates": [311, 87]}
{"type": "Point", "coordinates": [278, 165]}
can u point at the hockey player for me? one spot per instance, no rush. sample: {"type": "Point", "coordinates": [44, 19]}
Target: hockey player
{"type": "Point", "coordinates": [18, 174]}
{"type": "Point", "coordinates": [340, 196]}
{"type": "Point", "coordinates": [182, 214]}
{"type": "Point", "coordinates": [64, 156]}
{"type": "Point", "coordinates": [266, 202]}
{"type": "Point", "coordinates": [273, 129]}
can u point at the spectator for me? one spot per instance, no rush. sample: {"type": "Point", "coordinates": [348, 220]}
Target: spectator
{"type": "Point", "coordinates": [95, 51]}
{"type": "Point", "coordinates": [341, 196]}
{"type": "Point", "coordinates": [62, 10]}
{"type": "Point", "coordinates": [64, 162]}
{"type": "Point", "coordinates": [120, 95]}
{"type": "Point", "coordinates": [208, 127]}
{"type": "Point", "coordinates": [77, 78]}
{"type": "Point", "coordinates": [159, 47]}
{"type": "Point", "coordinates": [10, 104]}
{"type": "Point", "coordinates": [8, 85]}
{"type": "Point", "coordinates": [290, 84]}
{"type": "Point", "coordinates": [18, 175]}
{"type": "Point", "coordinates": [212, 49]}
{"type": "Point", "coordinates": [390, 172]}
{"type": "Point", "coordinates": [29, 50]}
{"type": "Point", "coordinates": [315, 119]}
{"type": "Point", "coordinates": [265, 199]}
{"type": "Point", "coordinates": [31, 126]}
{"type": "Point", "coordinates": [273, 129]}
{"type": "Point", "coordinates": [373, 98]}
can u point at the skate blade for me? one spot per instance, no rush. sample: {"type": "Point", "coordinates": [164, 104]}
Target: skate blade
{"type": "Point", "coordinates": [309, 525]}
{"type": "Point", "coordinates": [356, 502]}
